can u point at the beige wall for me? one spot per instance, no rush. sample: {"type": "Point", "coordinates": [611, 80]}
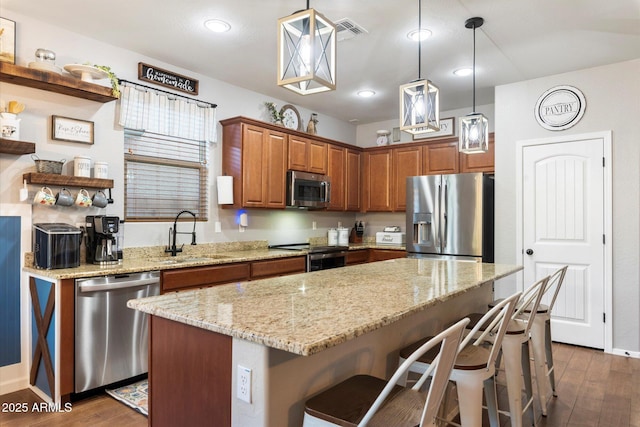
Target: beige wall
{"type": "Point", "coordinates": [613, 103]}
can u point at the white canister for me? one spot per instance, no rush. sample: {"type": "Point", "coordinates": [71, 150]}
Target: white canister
{"type": "Point", "coordinates": [82, 166]}
{"type": "Point", "coordinates": [332, 237]}
{"type": "Point", "coordinates": [343, 237]}
{"type": "Point", "coordinates": [101, 170]}
{"type": "Point", "coordinates": [10, 125]}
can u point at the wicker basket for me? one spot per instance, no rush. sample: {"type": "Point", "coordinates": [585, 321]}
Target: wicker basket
{"type": "Point", "coordinates": [48, 166]}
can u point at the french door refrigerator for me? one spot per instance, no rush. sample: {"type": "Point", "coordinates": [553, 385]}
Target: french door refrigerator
{"type": "Point", "coordinates": [451, 216]}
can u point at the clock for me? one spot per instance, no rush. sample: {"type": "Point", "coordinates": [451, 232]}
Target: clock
{"type": "Point", "coordinates": [290, 117]}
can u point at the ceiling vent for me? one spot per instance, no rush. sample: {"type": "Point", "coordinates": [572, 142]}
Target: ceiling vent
{"type": "Point", "coordinates": [347, 29]}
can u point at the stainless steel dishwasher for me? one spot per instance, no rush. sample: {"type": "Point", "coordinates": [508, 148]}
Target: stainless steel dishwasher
{"type": "Point", "coordinates": [111, 340]}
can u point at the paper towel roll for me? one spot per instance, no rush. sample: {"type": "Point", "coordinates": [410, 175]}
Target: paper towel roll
{"type": "Point", "coordinates": [225, 190]}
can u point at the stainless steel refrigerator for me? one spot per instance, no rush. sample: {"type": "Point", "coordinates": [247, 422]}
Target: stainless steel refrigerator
{"type": "Point", "coordinates": [451, 216]}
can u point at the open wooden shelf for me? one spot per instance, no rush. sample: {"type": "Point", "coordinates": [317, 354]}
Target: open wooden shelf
{"type": "Point", "coordinates": [11, 146]}
{"type": "Point", "coordinates": [66, 180]}
{"type": "Point", "coordinates": [52, 82]}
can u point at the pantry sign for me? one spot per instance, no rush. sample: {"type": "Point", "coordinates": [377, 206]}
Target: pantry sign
{"type": "Point", "coordinates": [167, 78]}
{"type": "Point", "coordinates": [560, 107]}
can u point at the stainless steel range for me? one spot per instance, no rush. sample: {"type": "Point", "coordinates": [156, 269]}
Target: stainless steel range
{"type": "Point", "coordinates": [319, 257]}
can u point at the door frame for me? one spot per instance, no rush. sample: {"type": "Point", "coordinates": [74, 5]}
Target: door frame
{"type": "Point", "coordinates": [606, 137]}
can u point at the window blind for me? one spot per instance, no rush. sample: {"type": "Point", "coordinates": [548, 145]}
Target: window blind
{"type": "Point", "coordinates": [164, 175]}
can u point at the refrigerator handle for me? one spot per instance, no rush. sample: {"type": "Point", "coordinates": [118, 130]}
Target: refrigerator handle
{"type": "Point", "coordinates": [445, 204]}
{"type": "Point", "coordinates": [437, 220]}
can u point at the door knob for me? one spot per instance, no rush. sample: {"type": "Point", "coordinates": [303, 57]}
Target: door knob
{"type": "Point", "coordinates": [529, 251]}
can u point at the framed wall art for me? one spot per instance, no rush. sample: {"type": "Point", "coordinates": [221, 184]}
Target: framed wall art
{"type": "Point", "coordinates": [447, 128]}
{"type": "Point", "coordinates": [71, 130]}
{"type": "Point", "coordinates": [7, 41]}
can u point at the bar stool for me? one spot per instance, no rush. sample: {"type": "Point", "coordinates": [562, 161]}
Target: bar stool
{"type": "Point", "coordinates": [541, 341]}
{"type": "Point", "coordinates": [515, 351]}
{"type": "Point", "coordinates": [364, 400]}
{"type": "Point", "coordinates": [474, 367]}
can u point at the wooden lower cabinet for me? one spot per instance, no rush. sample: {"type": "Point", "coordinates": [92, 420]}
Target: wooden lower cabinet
{"type": "Point", "coordinates": [385, 254]}
{"type": "Point", "coordinates": [200, 277]}
{"type": "Point", "coordinates": [358, 257]}
{"type": "Point", "coordinates": [278, 267]}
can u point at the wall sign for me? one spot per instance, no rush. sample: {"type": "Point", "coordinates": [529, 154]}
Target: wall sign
{"type": "Point", "coordinates": [167, 78]}
{"type": "Point", "coordinates": [560, 107]}
{"type": "Point", "coordinates": [447, 128]}
{"type": "Point", "coordinates": [72, 130]}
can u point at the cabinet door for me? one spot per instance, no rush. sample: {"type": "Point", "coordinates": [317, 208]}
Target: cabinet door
{"type": "Point", "coordinates": [353, 184]}
{"type": "Point", "coordinates": [275, 172]}
{"type": "Point", "coordinates": [406, 162]}
{"type": "Point", "coordinates": [200, 277]}
{"type": "Point", "coordinates": [440, 158]}
{"type": "Point", "coordinates": [317, 157]}
{"type": "Point", "coordinates": [278, 267]}
{"type": "Point", "coordinates": [358, 257]}
{"type": "Point", "coordinates": [377, 181]}
{"type": "Point", "coordinates": [481, 162]}
{"type": "Point", "coordinates": [336, 171]}
{"type": "Point", "coordinates": [385, 254]}
{"type": "Point", "coordinates": [253, 176]}
{"type": "Point", "coordinates": [298, 153]}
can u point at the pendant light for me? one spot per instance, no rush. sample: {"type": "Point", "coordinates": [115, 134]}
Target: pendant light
{"type": "Point", "coordinates": [306, 52]}
{"type": "Point", "coordinates": [419, 99]}
{"type": "Point", "coordinates": [474, 127]}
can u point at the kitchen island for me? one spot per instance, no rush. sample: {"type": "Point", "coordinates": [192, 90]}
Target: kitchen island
{"type": "Point", "coordinates": [297, 334]}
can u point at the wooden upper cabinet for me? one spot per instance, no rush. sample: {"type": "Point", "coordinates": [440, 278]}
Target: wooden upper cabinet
{"type": "Point", "coordinates": [407, 161]}
{"type": "Point", "coordinates": [353, 187]}
{"type": "Point", "coordinates": [481, 162]}
{"type": "Point", "coordinates": [307, 155]}
{"type": "Point", "coordinates": [256, 157]}
{"type": "Point", "coordinates": [440, 158]}
{"type": "Point", "coordinates": [377, 181]}
{"type": "Point", "coordinates": [336, 171]}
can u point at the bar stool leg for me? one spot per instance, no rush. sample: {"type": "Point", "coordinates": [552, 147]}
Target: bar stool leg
{"type": "Point", "coordinates": [490, 396]}
{"type": "Point", "coordinates": [538, 342]}
{"type": "Point", "coordinates": [470, 402]}
{"type": "Point", "coordinates": [512, 353]}
{"type": "Point", "coordinates": [528, 387]}
{"type": "Point", "coordinates": [548, 350]}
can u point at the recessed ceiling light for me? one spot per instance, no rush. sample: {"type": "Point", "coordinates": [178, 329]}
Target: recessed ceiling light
{"type": "Point", "coordinates": [463, 72]}
{"type": "Point", "coordinates": [416, 35]}
{"type": "Point", "coordinates": [366, 93]}
{"type": "Point", "coordinates": [217, 26]}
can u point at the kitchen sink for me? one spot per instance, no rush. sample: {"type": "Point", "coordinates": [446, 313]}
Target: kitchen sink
{"type": "Point", "coordinates": [188, 259]}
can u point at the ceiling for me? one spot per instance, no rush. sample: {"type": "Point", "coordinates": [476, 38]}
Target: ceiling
{"type": "Point", "coordinates": [520, 40]}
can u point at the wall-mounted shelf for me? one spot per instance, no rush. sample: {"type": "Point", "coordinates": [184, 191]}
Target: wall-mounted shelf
{"type": "Point", "coordinates": [11, 146]}
{"type": "Point", "coordinates": [66, 180]}
{"type": "Point", "coordinates": [52, 82]}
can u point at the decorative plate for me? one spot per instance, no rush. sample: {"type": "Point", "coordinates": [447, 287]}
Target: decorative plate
{"type": "Point", "coordinates": [290, 117]}
{"type": "Point", "coordinates": [86, 73]}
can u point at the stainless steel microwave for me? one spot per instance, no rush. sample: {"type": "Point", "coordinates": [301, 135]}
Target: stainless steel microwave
{"type": "Point", "coordinates": [308, 190]}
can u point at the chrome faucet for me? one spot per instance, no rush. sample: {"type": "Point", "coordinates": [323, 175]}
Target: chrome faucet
{"type": "Point", "coordinates": [173, 232]}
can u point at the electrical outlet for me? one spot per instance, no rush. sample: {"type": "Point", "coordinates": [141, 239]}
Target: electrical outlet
{"type": "Point", "coordinates": [244, 384]}
{"type": "Point", "coordinates": [217, 227]}
{"type": "Point", "coordinates": [314, 225]}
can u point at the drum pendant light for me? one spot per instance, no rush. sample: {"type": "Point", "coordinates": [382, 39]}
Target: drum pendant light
{"type": "Point", "coordinates": [474, 127]}
{"type": "Point", "coordinates": [306, 52]}
{"type": "Point", "coordinates": [419, 99]}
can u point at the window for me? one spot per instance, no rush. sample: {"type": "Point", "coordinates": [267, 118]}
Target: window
{"type": "Point", "coordinates": [164, 175]}
{"type": "Point", "coordinates": [166, 153]}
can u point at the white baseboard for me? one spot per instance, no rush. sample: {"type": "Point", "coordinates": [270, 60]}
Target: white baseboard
{"type": "Point", "coordinates": [627, 353]}
{"type": "Point", "coordinates": [14, 378]}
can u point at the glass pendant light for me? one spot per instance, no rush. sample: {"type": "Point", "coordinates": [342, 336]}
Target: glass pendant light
{"type": "Point", "coordinates": [306, 52]}
{"type": "Point", "coordinates": [474, 127]}
{"type": "Point", "coordinates": [419, 99]}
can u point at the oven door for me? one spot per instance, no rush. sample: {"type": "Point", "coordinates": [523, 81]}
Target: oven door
{"type": "Point", "coordinates": [307, 190]}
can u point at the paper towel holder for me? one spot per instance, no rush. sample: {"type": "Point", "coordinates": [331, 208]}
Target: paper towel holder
{"type": "Point", "coordinates": [225, 190]}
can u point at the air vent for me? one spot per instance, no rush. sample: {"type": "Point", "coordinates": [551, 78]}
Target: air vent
{"type": "Point", "coordinates": [347, 29]}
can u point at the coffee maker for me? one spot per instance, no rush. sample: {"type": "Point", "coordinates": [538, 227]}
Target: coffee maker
{"type": "Point", "coordinates": [102, 242]}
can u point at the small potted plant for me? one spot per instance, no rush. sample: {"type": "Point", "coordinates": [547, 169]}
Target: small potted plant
{"type": "Point", "coordinates": [276, 115]}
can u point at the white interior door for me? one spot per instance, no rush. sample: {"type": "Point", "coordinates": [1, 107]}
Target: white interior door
{"type": "Point", "coordinates": [563, 205]}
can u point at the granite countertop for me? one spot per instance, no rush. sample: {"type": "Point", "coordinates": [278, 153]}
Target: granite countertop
{"type": "Point", "coordinates": [306, 313]}
{"type": "Point", "coordinates": [153, 258]}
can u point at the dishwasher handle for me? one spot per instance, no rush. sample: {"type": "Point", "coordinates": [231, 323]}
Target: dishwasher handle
{"type": "Point", "coordinates": [106, 286]}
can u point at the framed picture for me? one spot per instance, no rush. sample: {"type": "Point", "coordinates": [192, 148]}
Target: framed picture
{"type": "Point", "coordinates": [72, 130]}
{"type": "Point", "coordinates": [7, 41]}
{"type": "Point", "coordinates": [447, 128]}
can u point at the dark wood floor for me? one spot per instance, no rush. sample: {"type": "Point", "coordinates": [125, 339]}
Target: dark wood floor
{"type": "Point", "coordinates": [594, 389]}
